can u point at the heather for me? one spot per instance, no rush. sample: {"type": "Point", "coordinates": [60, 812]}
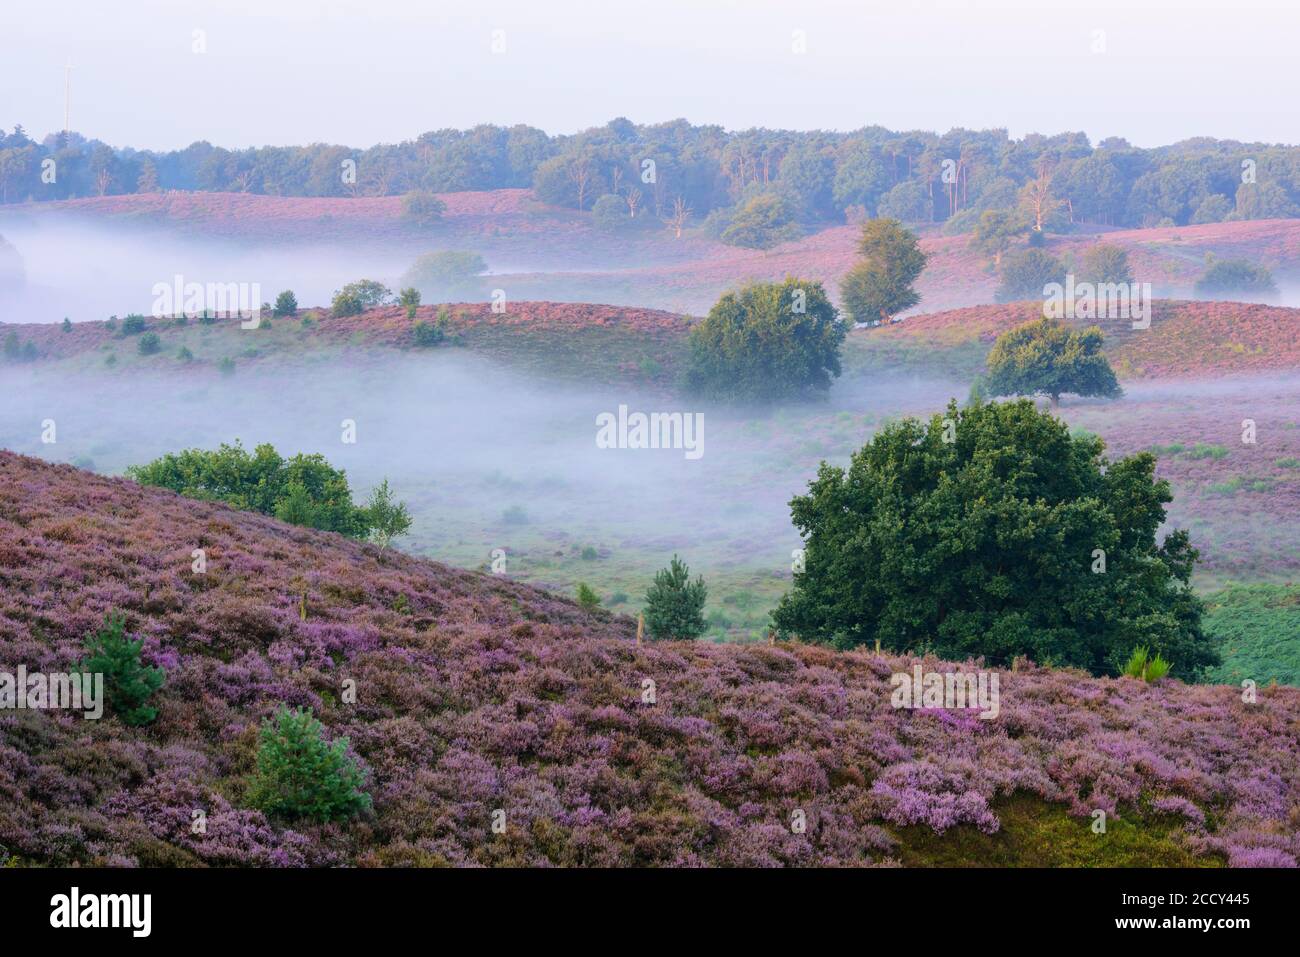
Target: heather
{"type": "Point", "coordinates": [476, 694]}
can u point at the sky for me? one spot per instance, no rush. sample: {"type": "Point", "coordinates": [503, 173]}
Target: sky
{"type": "Point", "coordinates": [161, 75]}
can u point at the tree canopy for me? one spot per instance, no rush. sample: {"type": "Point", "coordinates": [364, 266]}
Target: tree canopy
{"type": "Point", "coordinates": [766, 342]}
{"type": "Point", "coordinates": [1047, 357]}
{"type": "Point", "coordinates": [880, 285]}
{"type": "Point", "coordinates": [993, 531]}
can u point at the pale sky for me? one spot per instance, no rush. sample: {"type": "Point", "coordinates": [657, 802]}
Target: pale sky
{"type": "Point", "coordinates": [359, 72]}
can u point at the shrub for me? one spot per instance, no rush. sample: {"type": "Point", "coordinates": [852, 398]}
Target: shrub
{"type": "Point", "coordinates": [149, 344]}
{"type": "Point", "coordinates": [609, 213]}
{"type": "Point", "coordinates": [767, 342]}
{"type": "Point", "coordinates": [346, 304]}
{"type": "Point", "coordinates": [1025, 272]}
{"type": "Point", "coordinates": [302, 490]}
{"type": "Point", "coordinates": [286, 304]}
{"type": "Point", "coordinates": [357, 297]}
{"type": "Point", "coordinates": [1033, 504]}
{"type": "Point", "coordinates": [448, 271]}
{"type": "Point", "coordinates": [387, 518]}
{"type": "Point", "coordinates": [67, 324]}
{"type": "Point", "coordinates": [422, 208]}
{"type": "Point", "coordinates": [184, 354]}
{"type": "Point", "coordinates": [514, 515]}
{"type": "Point", "coordinates": [301, 775]}
{"type": "Point", "coordinates": [133, 324]}
{"type": "Point", "coordinates": [762, 222]}
{"type": "Point", "coordinates": [128, 682]}
{"type": "Point", "coordinates": [1047, 357]}
{"type": "Point", "coordinates": [226, 366]}
{"type": "Point", "coordinates": [1106, 263]}
{"type": "Point", "coordinates": [1226, 277]}
{"type": "Point", "coordinates": [587, 597]}
{"type": "Point", "coordinates": [674, 605]}
{"type": "Point", "coordinates": [1141, 665]}
{"type": "Point", "coordinates": [409, 299]}
{"type": "Point", "coordinates": [426, 334]}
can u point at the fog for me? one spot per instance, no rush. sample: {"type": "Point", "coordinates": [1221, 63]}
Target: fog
{"type": "Point", "coordinates": [85, 272]}
{"type": "Point", "coordinates": [464, 442]}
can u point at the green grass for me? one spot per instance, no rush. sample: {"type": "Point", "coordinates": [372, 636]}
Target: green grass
{"type": "Point", "coordinates": [1036, 833]}
{"type": "Point", "coordinates": [1258, 630]}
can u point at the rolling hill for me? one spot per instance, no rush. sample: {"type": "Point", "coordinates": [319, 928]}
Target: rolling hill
{"type": "Point", "coordinates": [476, 695]}
{"type": "Point", "coordinates": [540, 252]}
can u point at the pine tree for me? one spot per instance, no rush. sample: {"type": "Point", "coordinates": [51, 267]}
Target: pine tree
{"type": "Point", "coordinates": [128, 683]}
{"type": "Point", "coordinates": [674, 605]}
{"type": "Point", "coordinates": [301, 775]}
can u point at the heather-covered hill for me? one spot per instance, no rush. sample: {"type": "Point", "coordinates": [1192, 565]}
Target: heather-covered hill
{"type": "Point", "coordinates": [605, 343]}
{"type": "Point", "coordinates": [590, 342]}
{"type": "Point", "coordinates": [1185, 339]}
{"type": "Point", "coordinates": [475, 694]}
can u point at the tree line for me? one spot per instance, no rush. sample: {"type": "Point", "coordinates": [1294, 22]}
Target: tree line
{"type": "Point", "coordinates": [750, 187]}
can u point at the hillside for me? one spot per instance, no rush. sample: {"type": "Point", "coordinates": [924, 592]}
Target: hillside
{"type": "Point", "coordinates": [541, 252]}
{"type": "Point", "coordinates": [605, 343]}
{"type": "Point", "coordinates": [477, 694]}
{"type": "Point", "coordinates": [1186, 339]}
{"type": "Point", "coordinates": [589, 342]}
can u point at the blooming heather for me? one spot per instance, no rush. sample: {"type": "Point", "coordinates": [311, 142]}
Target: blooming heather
{"type": "Point", "coordinates": [476, 695]}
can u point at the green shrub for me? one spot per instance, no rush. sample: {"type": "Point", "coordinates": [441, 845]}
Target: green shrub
{"type": "Point", "coordinates": [149, 344]}
{"type": "Point", "coordinates": [409, 299]}
{"type": "Point", "coordinates": [301, 775]}
{"type": "Point", "coordinates": [226, 366]}
{"type": "Point", "coordinates": [387, 518]}
{"type": "Point", "coordinates": [766, 342]}
{"type": "Point", "coordinates": [426, 334]}
{"type": "Point", "coordinates": [1027, 496]}
{"type": "Point", "coordinates": [67, 324]}
{"type": "Point", "coordinates": [128, 683]}
{"type": "Point", "coordinates": [1141, 665]}
{"type": "Point", "coordinates": [133, 324]}
{"type": "Point", "coordinates": [1050, 358]}
{"type": "Point", "coordinates": [674, 605]}
{"type": "Point", "coordinates": [761, 222]}
{"type": "Point", "coordinates": [303, 490]}
{"type": "Point", "coordinates": [587, 597]}
{"type": "Point", "coordinates": [1026, 272]}
{"type": "Point", "coordinates": [286, 304]}
{"type": "Point", "coordinates": [422, 208]}
{"type": "Point", "coordinates": [609, 213]}
{"type": "Point", "coordinates": [1228, 277]}
{"type": "Point", "coordinates": [184, 354]}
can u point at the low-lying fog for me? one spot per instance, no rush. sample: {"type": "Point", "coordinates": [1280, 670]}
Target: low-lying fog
{"type": "Point", "coordinates": [484, 458]}
{"type": "Point", "coordinates": [88, 272]}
